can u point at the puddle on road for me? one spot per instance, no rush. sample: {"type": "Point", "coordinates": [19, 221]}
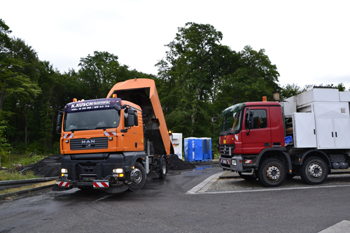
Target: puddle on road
{"type": "Point", "coordinates": [202, 167]}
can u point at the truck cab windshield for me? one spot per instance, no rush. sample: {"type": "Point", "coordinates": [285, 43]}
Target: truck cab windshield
{"type": "Point", "coordinates": [89, 120]}
{"type": "Point", "coordinates": [232, 118]}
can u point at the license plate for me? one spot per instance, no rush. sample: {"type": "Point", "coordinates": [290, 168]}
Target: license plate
{"type": "Point", "coordinates": [224, 161]}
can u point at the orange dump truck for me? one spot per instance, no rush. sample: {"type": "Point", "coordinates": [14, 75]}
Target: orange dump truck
{"type": "Point", "coordinates": [115, 142]}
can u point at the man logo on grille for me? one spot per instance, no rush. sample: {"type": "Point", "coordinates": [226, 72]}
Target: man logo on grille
{"type": "Point", "coordinates": [87, 143]}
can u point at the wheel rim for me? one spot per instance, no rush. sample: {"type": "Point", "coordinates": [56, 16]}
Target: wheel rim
{"type": "Point", "coordinates": [136, 176]}
{"type": "Point", "coordinates": [273, 173]}
{"type": "Point", "coordinates": [315, 170]}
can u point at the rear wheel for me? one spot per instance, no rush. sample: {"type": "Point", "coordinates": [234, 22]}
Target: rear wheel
{"type": "Point", "coordinates": [314, 170]}
{"type": "Point", "coordinates": [137, 177]}
{"type": "Point", "coordinates": [272, 172]}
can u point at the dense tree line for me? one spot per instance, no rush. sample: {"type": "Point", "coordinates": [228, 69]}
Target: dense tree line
{"type": "Point", "coordinates": [197, 79]}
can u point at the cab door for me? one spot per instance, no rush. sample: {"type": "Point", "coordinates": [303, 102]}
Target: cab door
{"type": "Point", "coordinates": [258, 137]}
{"type": "Point", "coordinates": [133, 135]}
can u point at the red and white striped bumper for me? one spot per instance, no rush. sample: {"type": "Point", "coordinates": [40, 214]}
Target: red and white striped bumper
{"type": "Point", "coordinates": [63, 184]}
{"type": "Point", "coordinates": [100, 184]}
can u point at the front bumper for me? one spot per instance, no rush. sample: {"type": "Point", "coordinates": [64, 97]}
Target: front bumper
{"type": "Point", "coordinates": [232, 164]}
{"type": "Point", "coordinates": [91, 170]}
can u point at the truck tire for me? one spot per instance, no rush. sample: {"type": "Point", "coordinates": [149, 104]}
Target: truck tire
{"type": "Point", "coordinates": [137, 177]}
{"type": "Point", "coordinates": [272, 172]}
{"type": "Point", "coordinates": [163, 169]}
{"type": "Point", "coordinates": [314, 170]}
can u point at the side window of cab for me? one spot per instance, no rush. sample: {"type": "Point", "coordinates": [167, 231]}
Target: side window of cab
{"type": "Point", "coordinates": [259, 119]}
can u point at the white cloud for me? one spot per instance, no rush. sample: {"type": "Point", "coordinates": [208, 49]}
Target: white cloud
{"type": "Point", "coordinates": [307, 40]}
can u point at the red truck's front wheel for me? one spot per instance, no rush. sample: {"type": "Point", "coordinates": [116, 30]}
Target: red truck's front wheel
{"type": "Point", "coordinates": [272, 172]}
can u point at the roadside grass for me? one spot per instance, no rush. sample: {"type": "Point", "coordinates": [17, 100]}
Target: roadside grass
{"type": "Point", "coordinates": [15, 175]}
{"type": "Point", "coordinates": [12, 165]}
{"type": "Point", "coordinates": [24, 160]}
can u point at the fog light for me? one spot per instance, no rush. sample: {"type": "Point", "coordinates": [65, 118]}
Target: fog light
{"type": "Point", "coordinates": [67, 141]}
{"type": "Point", "coordinates": [118, 170]}
{"type": "Point", "coordinates": [120, 175]}
{"type": "Point", "coordinates": [234, 162]}
{"type": "Point", "coordinates": [110, 138]}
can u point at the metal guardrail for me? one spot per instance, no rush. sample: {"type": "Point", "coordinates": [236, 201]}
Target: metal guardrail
{"type": "Point", "coordinates": [27, 181]}
{"type": "Point", "coordinates": [7, 184]}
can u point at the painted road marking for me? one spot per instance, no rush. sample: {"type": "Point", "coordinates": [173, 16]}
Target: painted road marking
{"type": "Point", "coordinates": [341, 227]}
{"type": "Point", "coordinates": [203, 187]}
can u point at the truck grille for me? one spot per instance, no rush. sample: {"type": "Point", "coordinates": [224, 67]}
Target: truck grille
{"type": "Point", "coordinates": [87, 144]}
{"type": "Point", "coordinates": [225, 150]}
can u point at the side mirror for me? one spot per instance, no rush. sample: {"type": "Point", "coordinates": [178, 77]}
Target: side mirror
{"type": "Point", "coordinates": [117, 107]}
{"type": "Point", "coordinates": [58, 129]}
{"type": "Point", "coordinates": [250, 122]}
{"type": "Point", "coordinates": [213, 119]}
{"type": "Point", "coordinates": [58, 123]}
{"type": "Point", "coordinates": [131, 117]}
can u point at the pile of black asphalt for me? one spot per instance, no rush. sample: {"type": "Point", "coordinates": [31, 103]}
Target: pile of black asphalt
{"type": "Point", "coordinates": [48, 167]}
{"type": "Point", "coordinates": [175, 163]}
{"type": "Point", "coordinates": [51, 165]}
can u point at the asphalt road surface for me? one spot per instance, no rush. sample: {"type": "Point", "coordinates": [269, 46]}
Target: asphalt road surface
{"type": "Point", "coordinates": [187, 201]}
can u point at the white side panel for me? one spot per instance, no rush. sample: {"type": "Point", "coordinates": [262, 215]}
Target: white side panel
{"type": "Point", "coordinates": [328, 109]}
{"type": "Point", "coordinates": [318, 95]}
{"type": "Point", "coordinates": [324, 131]}
{"type": "Point", "coordinates": [289, 106]}
{"type": "Point", "coordinates": [177, 144]}
{"type": "Point", "coordinates": [344, 96]}
{"type": "Point", "coordinates": [304, 130]}
{"type": "Point", "coordinates": [342, 133]}
{"type": "Point", "coordinates": [326, 94]}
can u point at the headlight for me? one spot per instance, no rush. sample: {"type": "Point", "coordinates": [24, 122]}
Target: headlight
{"type": "Point", "coordinates": [234, 162]}
{"type": "Point", "coordinates": [118, 170]}
{"type": "Point", "coordinates": [63, 170]}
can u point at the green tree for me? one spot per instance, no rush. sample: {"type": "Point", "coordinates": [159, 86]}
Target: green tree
{"type": "Point", "coordinates": [18, 78]}
{"type": "Point", "coordinates": [255, 77]}
{"type": "Point", "coordinates": [290, 90]}
{"type": "Point", "coordinates": [194, 64]}
{"type": "Point", "coordinates": [100, 72]}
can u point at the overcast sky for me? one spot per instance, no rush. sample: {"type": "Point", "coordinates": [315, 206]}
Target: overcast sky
{"type": "Point", "coordinates": [308, 41]}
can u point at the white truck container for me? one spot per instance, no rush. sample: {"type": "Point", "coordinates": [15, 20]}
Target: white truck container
{"type": "Point", "coordinates": [320, 118]}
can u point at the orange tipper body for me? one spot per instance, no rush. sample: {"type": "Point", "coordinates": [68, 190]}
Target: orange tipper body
{"type": "Point", "coordinates": [114, 142]}
{"type": "Point", "coordinates": [144, 93]}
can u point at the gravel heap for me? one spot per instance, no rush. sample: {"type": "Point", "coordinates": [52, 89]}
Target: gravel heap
{"type": "Point", "coordinates": [178, 164]}
{"type": "Point", "coordinates": [50, 166]}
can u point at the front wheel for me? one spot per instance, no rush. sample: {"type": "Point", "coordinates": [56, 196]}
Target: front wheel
{"type": "Point", "coordinates": [163, 169]}
{"type": "Point", "coordinates": [272, 172]}
{"type": "Point", "coordinates": [314, 170]}
{"type": "Point", "coordinates": [137, 177]}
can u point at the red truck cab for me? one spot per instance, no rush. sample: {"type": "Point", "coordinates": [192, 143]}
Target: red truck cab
{"type": "Point", "coordinates": [252, 133]}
